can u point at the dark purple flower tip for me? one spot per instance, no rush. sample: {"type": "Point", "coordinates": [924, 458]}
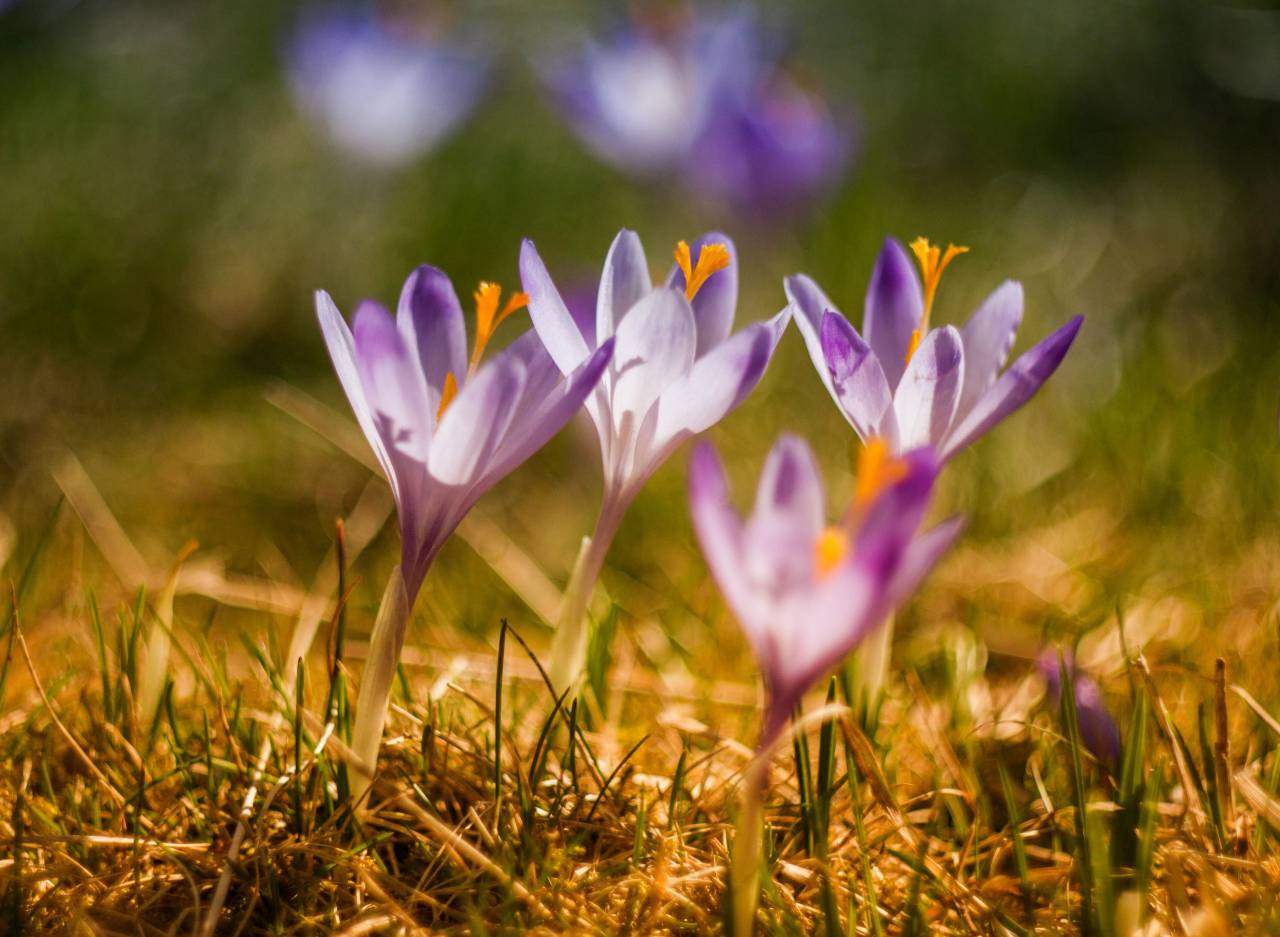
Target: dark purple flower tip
{"type": "Point", "coordinates": [1098, 729]}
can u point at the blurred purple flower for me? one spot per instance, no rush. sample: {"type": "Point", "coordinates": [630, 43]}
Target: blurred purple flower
{"type": "Point", "coordinates": [805, 594]}
{"type": "Point", "coordinates": [1098, 729]}
{"type": "Point", "coordinates": [911, 385]}
{"type": "Point", "coordinates": [641, 98]}
{"type": "Point", "coordinates": [676, 372]}
{"type": "Point", "coordinates": [444, 428]}
{"type": "Point", "coordinates": [384, 90]}
{"type": "Point", "coordinates": [770, 149]}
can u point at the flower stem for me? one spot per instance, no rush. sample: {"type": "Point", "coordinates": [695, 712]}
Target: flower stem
{"type": "Point", "coordinates": [569, 646]}
{"type": "Point", "coordinates": [385, 644]}
{"type": "Point", "coordinates": [748, 841]}
{"type": "Point", "coordinates": [873, 666]}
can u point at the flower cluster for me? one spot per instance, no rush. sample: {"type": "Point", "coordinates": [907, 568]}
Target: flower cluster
{"type": "Point", "coordinates": [656, 364]}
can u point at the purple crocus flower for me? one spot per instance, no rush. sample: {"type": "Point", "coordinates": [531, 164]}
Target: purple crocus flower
{"type": "Point", "coordinates": [770, 148]}
{"type": "Point", "coordinates": [676, 372]}
{"type": "Point", "coordinates": [642, 97]}
{"type": "Point", "coordinates": [444, 427]}
{"type": "Point", "coordinates": [384, 89]}
{"type": "Point", "coordinates": [806, 594]}
{"type": "Point", "coordinates": [1098, 729]}
{"type": "Point", "coordinates": [900, 380]}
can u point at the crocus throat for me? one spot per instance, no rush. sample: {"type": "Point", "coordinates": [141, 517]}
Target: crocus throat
{"type": "Point", "coordinates": [933, 260]}
{"type": "Point", "coordinates": [712, 258]}
{"type": "Point", "coordinates": [877, 470]}
{"type": "Point", "coordinates": [488, 318]}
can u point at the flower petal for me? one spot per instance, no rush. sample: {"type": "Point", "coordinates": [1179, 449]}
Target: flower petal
{"type": "Point", "coordinates": [716, 302]}
{"type": "Point", "coordinates": [919, 558]}
{"type": "Point", "coordinates": [393, 382]}
{"type": "Point", "coordinates": [988, 336]}
{"type": "Point", "coordinates": [655, 346]}
{"type": "Point", "coordinates": [786, 520]}
{"type": "Point", "coordinates": [892, 309]}
{"type": "Point", "coordinates": [720, 534]}
{"type": "Point", "coordinates": [925, 402]}
{"type": "Point", "coordinates": [476, 422]}
{"type": "Point", "coordinates": [719, 381]}
{"type": "Point", "coordinates": [342, 351]}
{"type": "Point", "coordinates": [857, 381]}
{"type": "Point", "coordinates": [623, 282]}
{"type": "Point", "coordinates": [555, 325]}
{"type": "Point", "coordinates": [892, 519]}
{"type": "Point", "coordinates": [546, 410]}
{"type": "Point", "coordinates": [430, 319]}
{"type": "Point", "coordinates": [1014, 387]}
{"type": "Point", "coordinates": [809, 304]}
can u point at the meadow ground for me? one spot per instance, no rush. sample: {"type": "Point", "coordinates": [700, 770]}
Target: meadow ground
{"type": "Point", "coordinates": [175, 455]}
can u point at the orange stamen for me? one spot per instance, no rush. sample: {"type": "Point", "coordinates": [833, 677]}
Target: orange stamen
{"type": "Point", "coordinates": [488, 318]}
{"type": "Point", "coordinates": [447, 393]}
{"type": "Point", "coordinates": [877, 470]}
{"type": "Point", "coordinates": [933, 261]}
{"type": "Point", "coordinates": [712, 258]}
{"type": "Point", "coordinates": [829, 550]}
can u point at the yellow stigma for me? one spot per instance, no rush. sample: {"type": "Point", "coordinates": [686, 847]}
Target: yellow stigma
{"type": "Point", "coordinates": [488, 318]}
{"type": "Point", "coordinates": [933, 260]}
{"type": "Point", "coordinates": [877, 470]}
{"type": "Point", "coordinates": [712, 258]}
{"type": "Point", "coordinates": [831, 547]}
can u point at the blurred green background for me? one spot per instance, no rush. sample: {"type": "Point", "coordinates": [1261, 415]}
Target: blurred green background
{"type": "Point", "coordinates": [167, 212]}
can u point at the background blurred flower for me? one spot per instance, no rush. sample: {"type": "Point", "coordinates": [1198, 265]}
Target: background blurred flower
{"type": "Point", "coordinates": [641, 98]}
{"type": "Point", "coordinates": [385, 89]}
{"type": "Point", "coordinates": [677, 371]}
{"type": "Point", "coordinates": [911, 385]}
{"type": "Point", "coordinates": [806, 594]}
{"type": "Point", "coordinates": [1098, 728]}
{"type": "Point", "coordinates": [770, 148]}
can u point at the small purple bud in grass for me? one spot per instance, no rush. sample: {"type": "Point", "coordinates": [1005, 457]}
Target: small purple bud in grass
{"type": "Point", "coordinates": [912, 385]}
{"type": "Point", "coordinates": [386, 90]}
{"type": "Point", "coordinates": [678, 368]}
{"type": "Point", "coordinates": [1098, 729]}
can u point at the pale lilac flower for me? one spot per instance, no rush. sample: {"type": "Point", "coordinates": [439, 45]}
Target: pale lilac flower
{"type": "Point", "coordinates": [804, 593]}
{"type": "Point", "coordinates": [384, 89]}
{"type": "Point", "coordinates": [444, 428]}
{"type": "Point", "coordinates": [642, 97]}
{"type": "Point", "coordinates": [770, 149]}
{"type": "Point", "coordinates": [912, 385]}
{"type": "Point", "coordinates": [676, 371]}
{"type": "Point", "coordinates": [1098, 728]}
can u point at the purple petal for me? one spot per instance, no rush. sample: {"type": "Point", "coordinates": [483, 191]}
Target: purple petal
{"type": "Point", "coordinates": [918, 560]}
{"type": "Point", "coordinates": [857, 381]}
{"type": "Point", "coordinates": [988, 336]}
{"type": "Point", "coordinates": [719, 530]}
{"type": "Point", "coordinates": [716, 302]}
{"type": "Point", "coordinates": [555, 326]}
{"type": "Point", "coordinates": [892, 519]}
{"type": "Point", "coordinates": [430, 319]}
{"type": "Point", "coordinates": [1098, 728]}
{"type": "Point", "coordinates": [892, 309]}
{"type": "Point", "coordinates": [809, 304]}
{"type": "Point", "coordinates": [1014, 387]}
{"type": "Point", "coordinates": [787, 518]}
{"type": "Point", "coordinates": [719, 381]}
{"type": "Point", "coordinates": [822, 625]}
{"type": "Point", "coordinates": [342, 351]}
{"type": "Point", "coordinates": [552, 408]}
{"type": "Point", "coordinates": [655, 346]}
{"type": "Point", "coordinates": [475, 424]}
{"type": "Point", "coordinates": [624, 281]}
{"type": "Point", "coordinates": [925, 401]}
{"type": "Point", "coordinates": [393, 382]}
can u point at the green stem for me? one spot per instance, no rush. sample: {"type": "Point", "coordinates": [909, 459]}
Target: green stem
{"type": "Point", "coordinates": [385, 644]}
{"type": "Point", "coordinates": [569, 646]}
{"type": "Point", "coordinates": [748, 841]}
